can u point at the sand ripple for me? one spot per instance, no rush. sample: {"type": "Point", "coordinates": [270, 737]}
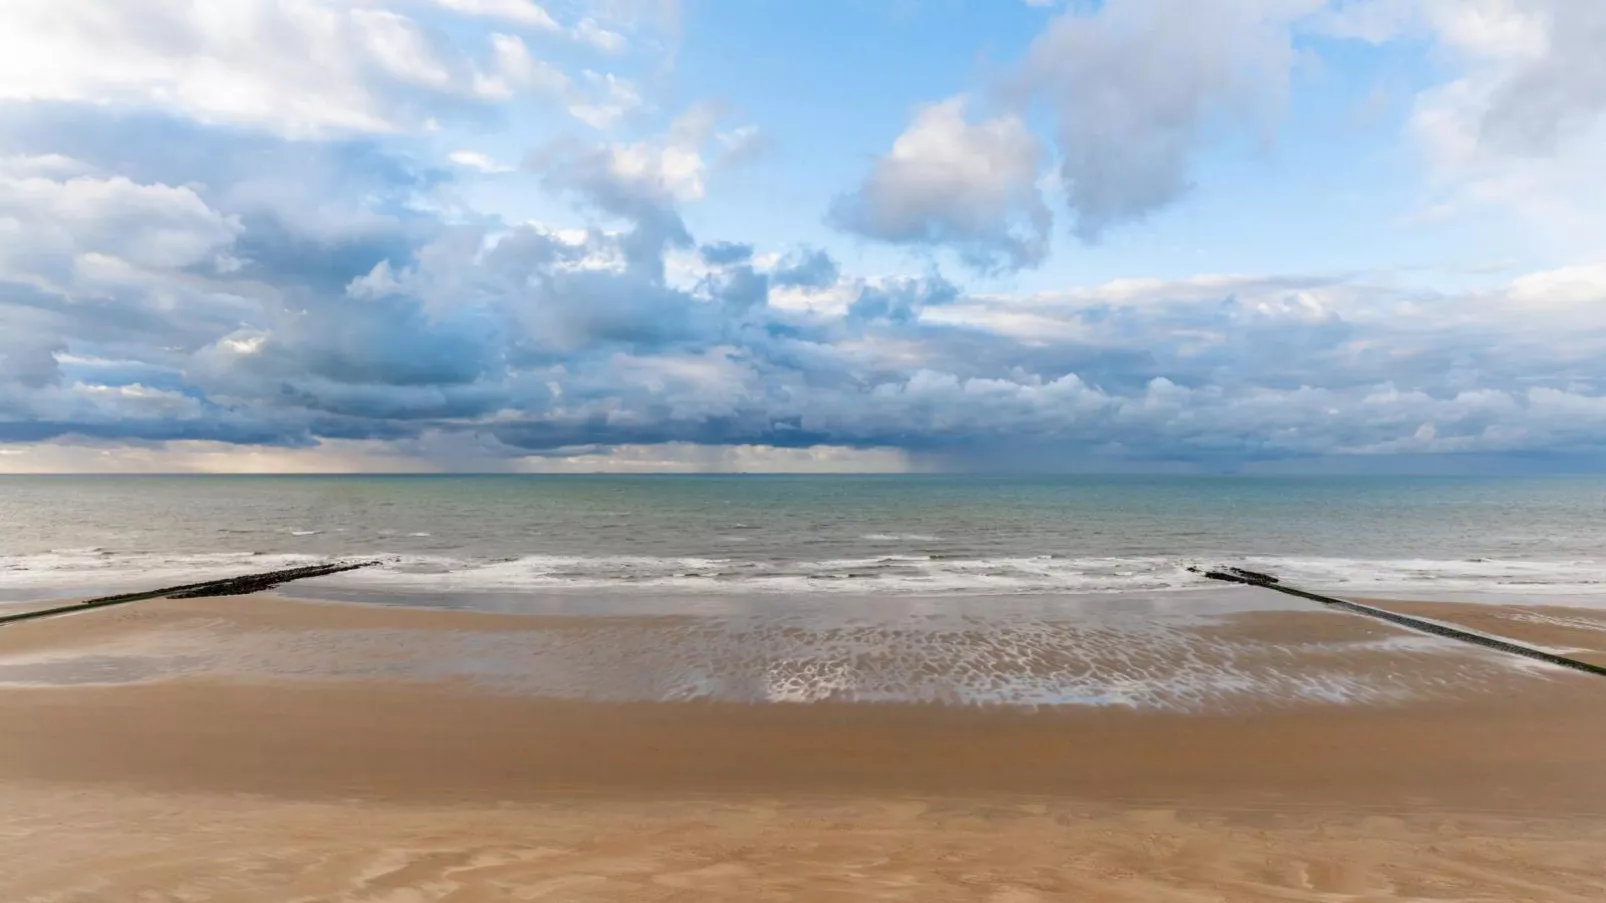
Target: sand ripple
{"type": "Point", "coordinates": [59, 848]}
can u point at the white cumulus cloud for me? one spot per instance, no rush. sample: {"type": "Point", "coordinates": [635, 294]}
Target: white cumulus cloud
{"type": "Point", "coordinates": [523, 12]}
{"type": "Point", "coordinates": [1136, 84]}
{"type": "Point", "coordinates": [297, 67]}
{"type": "Point", "coordinates": [950, 181]}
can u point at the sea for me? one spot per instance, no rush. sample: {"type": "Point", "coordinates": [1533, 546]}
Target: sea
{"type": "Point", "coordinates": [497, 540]}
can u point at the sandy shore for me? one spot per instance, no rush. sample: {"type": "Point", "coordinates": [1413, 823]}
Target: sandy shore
{"type": "Point", "coordinates": [97, 845]}
{"type": "Point", "coordinates": [286, 778]}
{"type": "Point", "coordinates": [422, 744]}
{"type": "Point", "coordinates": [1576, 632]}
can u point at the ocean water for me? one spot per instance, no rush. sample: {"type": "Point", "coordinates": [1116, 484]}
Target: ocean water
{"type": "Point", "coordinates": [688, 537]}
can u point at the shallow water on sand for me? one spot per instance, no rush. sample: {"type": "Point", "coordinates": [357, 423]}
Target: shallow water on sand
{"type": "Point", "coordinates": [1212, 651]}
{"type": "Point", "coordinates": [1021, 591]}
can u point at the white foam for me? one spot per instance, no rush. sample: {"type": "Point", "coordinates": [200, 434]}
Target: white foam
{"type": "Point", "coordinates": [880, 574]}
{"type": "Point", "coordinates": [1559, 621]}
{"type": "Point", "coordinates": [66, 570]}
{"type": "Point", "coordinates": [1578, 577]}
{"type": "Point", "coordinates": [94, 568]}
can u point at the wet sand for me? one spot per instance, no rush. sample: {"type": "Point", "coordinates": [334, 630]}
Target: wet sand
{"type": "Point", "coordinates": [1576, 632]}
{"type": "Point", "coordinates": [415, 743]}
{"type": "Point", "coordinates": [1238, 659]}
{"type": "Point", "coordinates": [301, 781]}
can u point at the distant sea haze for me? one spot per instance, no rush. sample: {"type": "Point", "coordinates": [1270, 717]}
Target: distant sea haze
{"type": "Point", "coordinates": [916, 535]}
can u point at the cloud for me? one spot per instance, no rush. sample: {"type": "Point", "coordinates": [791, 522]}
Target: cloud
{"type": "Point", "coordinates": [509, 342]}
{"type": "Point", "coordinates": [1136, 85]}
{"type": "Point", "coordinates": [814, 269]}
{"type": "Point", "coordinates": [600, 100]}
{"type": "Point", "coordinates": [605, 100]}
{"type": "Point", "coordinates": [1520, 125]}
{"type": "Point", "coordinates": [589, 31]}
{"type": "Point", "coordinates": [1136, 88]}
{"type": "Point", "coordinates": [355, 67]}
{"type": "Point", "coordinates": [301, 69]}
{"type": "Point", "coordinates": [441, 453]}
{"type": "Point", "coordinates": [1533, 66]}
{"type": "Point", "coordinates": [201, 279]}
{"type": "Point", "coordinates": [642, 182]}
{"type": "Point", "coordinates": [478, 162]}
{"type": "Point", "coordinates": [742, 145]}
{"type": "Point", "coordinates": [951, 182]}
{"type": "Point", "coordinates": [30, 360]}
{"type": "Point", "coordinates": [515, 70]}
{"type": "Point", "coordinates": [71, 229]}
{"type": "Point", "coordinates": [622, 178]}
{"type": "Point", "coordinates": [1373, 21]}
{"type": "Point", "coordinates": [724, 252]}
{"type": "Point", "coordinates": [522, 12]}
{"type": "Point", "coordinates": [140, 310]}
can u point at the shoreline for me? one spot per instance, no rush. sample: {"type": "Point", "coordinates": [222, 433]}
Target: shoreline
{"type": "Point", "coordinates": [268, 695]}
{"type": "Point", "coordinates": [310, 758]}
{"type": "Point", "coordinates": [1239, 659]}
{"type": "Point", "coordinates": [402, 742]}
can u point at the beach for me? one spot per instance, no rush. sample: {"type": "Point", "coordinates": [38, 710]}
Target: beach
{"type": "Point", "coordinates": [785, 451]}
{"type": "Point", "coordinates": [922, 689]}
{"type": "Point", "coordinates": [77, 845]}
{"type": "Point", "coordinates": [321, 751]}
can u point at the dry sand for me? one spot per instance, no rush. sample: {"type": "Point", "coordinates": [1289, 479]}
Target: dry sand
{"type": "Point", "coordinates": [212, 786]}
{"type": "Point", "coordinates": [83, 845]}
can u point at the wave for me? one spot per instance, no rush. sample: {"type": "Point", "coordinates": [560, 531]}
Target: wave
{"type": "Point", "coordinates": [94, 569]}
{"type": "Point", "coordinates": [67, 572]}
{"type": "Point", "coordinates": [1466, 575]}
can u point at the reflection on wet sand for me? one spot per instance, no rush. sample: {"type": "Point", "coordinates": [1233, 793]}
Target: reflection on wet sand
{"type": "Point", "coordinates": [1221, 660]}
{"type": "Point", "coordinates": [274, 750]}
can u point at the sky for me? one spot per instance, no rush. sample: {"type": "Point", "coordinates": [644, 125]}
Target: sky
{"type": "Point", "coordinates": [768, 235]}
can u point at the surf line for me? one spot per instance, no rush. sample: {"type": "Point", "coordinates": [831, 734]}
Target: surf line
{"type": "Point", "coordinates": [1267, 581]}
{"type": "Point", "coordinates": [228, 586]}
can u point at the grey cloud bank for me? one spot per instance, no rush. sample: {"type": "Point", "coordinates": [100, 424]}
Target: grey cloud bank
{"type": "Point", "coordinates": [142, 307]}
{"type": "Point", "coordinates": [176, 271]}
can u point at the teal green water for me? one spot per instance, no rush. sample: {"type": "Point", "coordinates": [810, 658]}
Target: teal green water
{"type": "Point", "coordinates": [927, 534]}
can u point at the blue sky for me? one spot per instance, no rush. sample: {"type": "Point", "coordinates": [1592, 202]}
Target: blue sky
{"type": "Point", "coordinates": [769, 235]}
